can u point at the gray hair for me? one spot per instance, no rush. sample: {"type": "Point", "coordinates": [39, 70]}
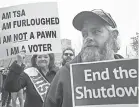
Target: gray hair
{"type": "Point", "coordinates": [116, 41]}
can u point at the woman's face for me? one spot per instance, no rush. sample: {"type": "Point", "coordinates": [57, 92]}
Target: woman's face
{"type": "Point", "coordinates": [43, 60]}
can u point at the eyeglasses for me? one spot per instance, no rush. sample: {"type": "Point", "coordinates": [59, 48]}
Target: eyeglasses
{"type": "Point", "coordinates": [68, 54]}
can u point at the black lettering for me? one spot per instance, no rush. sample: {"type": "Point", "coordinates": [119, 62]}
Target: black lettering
{"type": "Point", "coordinates": [20, 36]}
{"type": "Point", "coordinates": [15, 37]}
{"type": "Point", "coordinates": [57, 20]}
{"type": "Point", "coordinates": [23, 13]}
{"type": "Point", "coordinates": [44, 47]}
{"type": "Point", "coordinates": [19, 13]}
{"type": "Point", "coordinates": [30, 48]}
{"type": "Point", "coordinates": [35, 48]}
{"type": "Point", "coordinates": [14, 12]}
{"type": "Point", "coordinates": [6, 26]}
{"type": "Point", "coordinates": [23, 22]}
{"type": "Point", "coordinates": [42, 21]}
{"type": "Point", "coordinates": [23, 47]}
{"type": "Point", "coordinates": [42, 35]}
{"type": "Point", "coordinates": [14, 50]}
{"type": "Point", "coordinates": [25, 34]}
{"type": "Point", "coordinates": [14, 23]}
{"type": "Point", "coordinates": [48, 21]}
{"type": "Point", "coordinates": [7, 39]}
{"type": "Point", "coordinates": [52, 21]}
{"type": "Point", "coordinates": [53, 34]}
{"type": "Point", "coordinates": [32, 35]}
{"type": "Point", "coordinates": [49, 47]}
{"type": "Point", "coordinates": [6, 15]}
{"type": "Point", "coordinates": [50, 34]}
{"type": "Point", "coordinates": [28, 24]}
{"type": "Point", "coordinates": [40, 45]}
{"type": "Point", "coordinates": [38, 34]}
{"type": "Point", "coordinates": [32, 22]}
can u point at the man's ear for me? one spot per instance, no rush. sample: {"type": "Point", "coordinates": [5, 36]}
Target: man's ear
{"type": "Point", "coordinates": [115, 33]}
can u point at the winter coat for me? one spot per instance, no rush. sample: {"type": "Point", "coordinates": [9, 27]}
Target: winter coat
{"type": "Point", "coordinates": [18, 79]}
{"type": "Point", "coordinates": [60, 94]}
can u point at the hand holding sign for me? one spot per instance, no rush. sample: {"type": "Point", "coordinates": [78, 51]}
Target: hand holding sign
{"type": "Point", "coordinates": [21, 57]}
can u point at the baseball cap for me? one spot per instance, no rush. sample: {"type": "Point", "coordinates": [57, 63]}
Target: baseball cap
{"type": "Point", "coordinates": [99, 13]}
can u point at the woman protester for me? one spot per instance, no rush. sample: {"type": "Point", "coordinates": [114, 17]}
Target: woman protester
{"type": "Point", "coordinates": [35, 79]}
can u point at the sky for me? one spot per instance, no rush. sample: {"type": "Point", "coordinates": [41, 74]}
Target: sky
{"type": "Point", "coordinates": [124, 12]}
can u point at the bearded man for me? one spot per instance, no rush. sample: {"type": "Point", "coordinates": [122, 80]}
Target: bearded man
{"type": "Point", "coordinates": [100, 34]}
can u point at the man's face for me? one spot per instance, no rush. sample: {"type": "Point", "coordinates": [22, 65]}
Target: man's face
{"type": "Point", "coordinates": [96, 41]}
{"type": "Point", "coordinates": [68, 56]}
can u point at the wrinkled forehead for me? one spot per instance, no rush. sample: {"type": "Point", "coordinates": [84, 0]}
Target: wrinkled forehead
{"type": "Point", "coordinates": [94, 23]}
{"type": "Point", "coordinates": [68, 51]}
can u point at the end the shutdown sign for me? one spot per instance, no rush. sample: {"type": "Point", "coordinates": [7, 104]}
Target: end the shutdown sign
{"type": "Point", "coordinates": [105, 84]}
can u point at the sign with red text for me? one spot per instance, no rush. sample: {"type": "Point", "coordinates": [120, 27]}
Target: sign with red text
{"type": "Point", "coordinates": [32, 27]}
{"type": "Point", "coordinates": [105, 84]}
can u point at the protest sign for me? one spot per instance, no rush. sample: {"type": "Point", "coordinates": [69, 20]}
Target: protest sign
{"type": "Point", "coordinates": [105, 84]}
{"type": "Point", "coordinates": [32, 27]}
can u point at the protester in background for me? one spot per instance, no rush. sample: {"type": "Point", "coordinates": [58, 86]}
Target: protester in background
{"type": "Point", "coordinates": [6, 96]}
{"type": "Point", "coordinates": [35, 79]}
{"type": "Point", "coordinates": [1, 78]}
{"type": "Point", "coordinates": [19, 64]}
{"type": "Point", "coordinates": [100, 34]}
{"type": "Point", "coordinates": [68, 55]}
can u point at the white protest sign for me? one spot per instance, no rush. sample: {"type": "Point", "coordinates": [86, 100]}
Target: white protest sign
{"type": "Point", "coordinates": [33, 27]}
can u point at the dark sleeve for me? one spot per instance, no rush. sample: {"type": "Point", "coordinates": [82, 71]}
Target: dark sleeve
{"type": "Point", "coordinates": [16, 79]}
{"type": "Point", "coordinates": [54, 96]}
{"type": "Point", "coordinates": [117, 56]}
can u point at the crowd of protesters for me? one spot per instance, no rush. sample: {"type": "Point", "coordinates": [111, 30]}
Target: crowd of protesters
{"type": "Point", "coordinates": [48, 85]}
{"type": "Point", "coordinates": [16, 80]}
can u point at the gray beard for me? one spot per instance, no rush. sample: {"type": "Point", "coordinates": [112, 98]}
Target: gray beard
{"type": "Point", "coordinates": [90, 54]}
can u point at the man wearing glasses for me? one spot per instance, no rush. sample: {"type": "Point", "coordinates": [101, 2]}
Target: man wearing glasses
{"type": "Point", "coordinates": [68, 55]}
{"type": "Point", "coordinates": [99, 32]}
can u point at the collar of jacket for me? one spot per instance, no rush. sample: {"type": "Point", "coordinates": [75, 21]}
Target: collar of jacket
{"type": "Point", "coordinates": [77, 59]}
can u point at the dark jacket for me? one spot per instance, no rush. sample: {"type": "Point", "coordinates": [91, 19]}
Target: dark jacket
{"type": "Point", "coordinates": [17, 79]}
{"type": "Point", "coordinates": [60, 94]}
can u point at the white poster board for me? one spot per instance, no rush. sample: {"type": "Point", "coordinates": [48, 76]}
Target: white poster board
{"type": "Point", "coordinates": [33, 27]}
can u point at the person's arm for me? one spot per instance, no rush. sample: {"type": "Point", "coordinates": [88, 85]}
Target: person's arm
{"type": "Point", "coordinates": [16, 78]}
{"type": "Point", "coordinates": [54, 97]}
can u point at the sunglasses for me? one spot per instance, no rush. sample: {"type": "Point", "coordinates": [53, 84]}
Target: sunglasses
{"type": "Point", "coordinates": [68, 54]}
